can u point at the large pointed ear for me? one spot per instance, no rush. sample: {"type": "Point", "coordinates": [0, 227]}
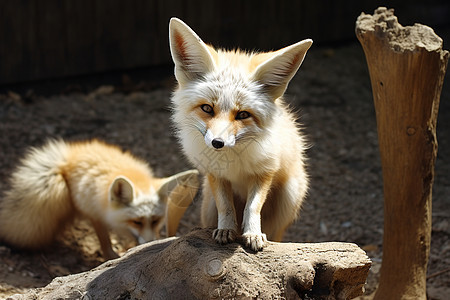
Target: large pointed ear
{"type": "Point", "coordinates": [276, 72]}
{"type": "Point", "coordinates": [179, 190]}
{"type": "Point", "coordinates": [121, 191]}
{"type": "Point", "coordinates": [192, 57]}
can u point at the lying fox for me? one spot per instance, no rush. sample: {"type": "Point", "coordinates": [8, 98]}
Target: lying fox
{"type": "Point", "coordinates": [111, 188]}
{"type": "Point", "coordinates": [234, 127]}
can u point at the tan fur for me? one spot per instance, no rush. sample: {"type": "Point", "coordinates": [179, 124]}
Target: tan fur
{"type": "Point", "coordinates": [254, 166]}
{"type": "Point", "coordinates": [60, 180]}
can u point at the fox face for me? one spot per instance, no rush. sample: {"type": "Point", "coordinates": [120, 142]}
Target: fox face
{"type": "Point", "coordinates": [226, 119]}
{"type": "Point", "coordinates": [215, 129]}
{"type": "Point", "coordinates": [144, 213]}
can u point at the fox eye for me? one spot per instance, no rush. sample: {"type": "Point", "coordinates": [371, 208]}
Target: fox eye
{"type": "Point", "coordinates": [242, 115]}
{"type": "Point", "coordinates": [137, 223]}
{"type": "Point", "coordinates": [207, 109]}
{"type": "Point", "coordinates": [154, 222]}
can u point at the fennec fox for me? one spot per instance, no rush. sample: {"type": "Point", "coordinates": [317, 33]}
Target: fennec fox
{"type": "Point", "coordinates": [111, 188]}
{"type": "Point", "coordinates": [235, 128]}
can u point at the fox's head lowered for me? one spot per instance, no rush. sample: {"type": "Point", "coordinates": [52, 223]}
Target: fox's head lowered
{"type": "Point", "coordinates": [227, 97]}
{"type": "Point", "coordinates": [144, 209]}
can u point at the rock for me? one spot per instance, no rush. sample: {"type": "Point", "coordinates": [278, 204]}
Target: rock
{"type": "Point", "coordinates": [196, 267]}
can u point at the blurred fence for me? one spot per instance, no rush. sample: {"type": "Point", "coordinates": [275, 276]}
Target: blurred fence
{"type": "Point", "coordinates": [57, 38]}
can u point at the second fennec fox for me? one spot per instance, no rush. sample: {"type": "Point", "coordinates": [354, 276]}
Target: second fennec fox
{"type": "Point", "coordinates": [235, 128]}
{"type": "Point", "coordinates": [111, 188]}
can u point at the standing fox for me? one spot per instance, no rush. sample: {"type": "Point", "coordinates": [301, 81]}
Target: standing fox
{"type": "Point", "coordinates": [234, 126]}
{"type": "Point", "coordinates": [113, 189]}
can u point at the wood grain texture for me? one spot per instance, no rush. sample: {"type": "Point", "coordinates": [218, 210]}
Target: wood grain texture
{"type": "Point", "coordinates": [407, 67]}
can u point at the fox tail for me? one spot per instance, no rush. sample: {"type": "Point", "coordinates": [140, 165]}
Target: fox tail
{"type": "Point", "coordinates": [38, 204]}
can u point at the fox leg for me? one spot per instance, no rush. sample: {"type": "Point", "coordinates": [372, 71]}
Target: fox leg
{"type": "Point", "coordinates": [251, 222]}
{"type": "Point", "coordinates": [282, 207]}
{"type": "Point", "coordinates": [226, 231]}
{"type": "Point", "coordinates": [104, 239]}
{"type": "Point", "coordinates": [208, 209]}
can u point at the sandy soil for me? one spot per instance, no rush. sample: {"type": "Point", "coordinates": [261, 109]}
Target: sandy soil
{"type": "Point", "coordinates": [332, 94]}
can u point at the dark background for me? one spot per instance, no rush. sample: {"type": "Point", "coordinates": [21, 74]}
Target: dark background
{"type": "Point", "coordinates": [60, 38]}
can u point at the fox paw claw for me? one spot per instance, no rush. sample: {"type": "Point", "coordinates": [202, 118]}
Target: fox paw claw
{"type": "Point", "coordinates": [224, 236]}
{"type": "Point", "coordinates": [256, 242]}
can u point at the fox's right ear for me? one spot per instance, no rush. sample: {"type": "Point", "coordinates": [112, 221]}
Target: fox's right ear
{"type": "Point", "coordinates": [192, 57]}
{"type": "Point", "coordinates": [121, 191]}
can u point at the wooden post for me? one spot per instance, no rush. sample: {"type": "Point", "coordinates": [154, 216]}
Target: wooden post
{"type": "Point", "coordinates": [407, 67]}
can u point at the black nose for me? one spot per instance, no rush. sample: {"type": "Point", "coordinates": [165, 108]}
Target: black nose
{"type": "Point", "coordinates": [217, 143]}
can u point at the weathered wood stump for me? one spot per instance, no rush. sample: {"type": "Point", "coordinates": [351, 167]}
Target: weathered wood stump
{"type": "Point", "coordinates": [407, 67]}
{"type": "Point", "coordinates": [196, 267]}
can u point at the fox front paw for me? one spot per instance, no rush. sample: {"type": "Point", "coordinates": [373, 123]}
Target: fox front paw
{"type": "Point", "coordinates": [256, 242]}
{"type": "Point", "coordinates": [224, 236]}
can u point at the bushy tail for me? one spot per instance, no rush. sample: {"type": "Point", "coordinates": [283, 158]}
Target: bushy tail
{"type": "Point", "coordinates": [38, 202]}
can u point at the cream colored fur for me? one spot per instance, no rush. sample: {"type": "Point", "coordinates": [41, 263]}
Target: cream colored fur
{"type": "Point", "coordinates": [255, 178]}
{"type": "Point", "coordinates": [111, 188]}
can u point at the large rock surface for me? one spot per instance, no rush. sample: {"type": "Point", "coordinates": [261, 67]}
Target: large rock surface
{"type": "Point", "coordinates": [196, 267]}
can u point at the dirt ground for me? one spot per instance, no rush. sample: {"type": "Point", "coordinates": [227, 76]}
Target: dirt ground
{"type": "Point", "coordinates": [333, 97]}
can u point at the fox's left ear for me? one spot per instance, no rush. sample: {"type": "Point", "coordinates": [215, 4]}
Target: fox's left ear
{"type": "Point", "coordinates": [178, 191]}
{"type": "Point", "coordinates": [121, 191]}
{"type": "Point", "coordinates": [192, 57]}
{"type": "Point", "coordinates": [276, 72]}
